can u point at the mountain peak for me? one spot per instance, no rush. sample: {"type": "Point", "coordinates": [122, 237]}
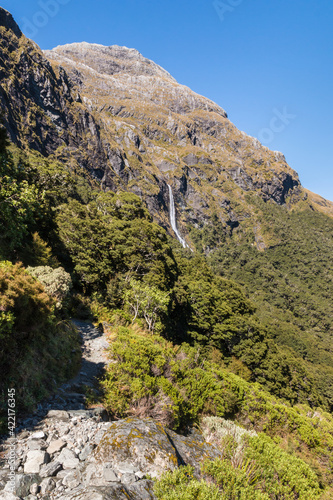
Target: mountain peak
{"type": "Point", "coordinates": [110, 60]}
{"type": "Point", "coordinates": [118, 73]}
{"type": "Point", "coordinates": [7, 21]}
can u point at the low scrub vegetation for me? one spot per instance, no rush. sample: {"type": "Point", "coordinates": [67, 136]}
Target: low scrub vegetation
{"type": "Point", "coordinates": [178, 385]}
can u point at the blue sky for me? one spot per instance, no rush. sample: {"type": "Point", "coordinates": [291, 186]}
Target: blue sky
{"type": "Point", "coordinates": [269, 64]}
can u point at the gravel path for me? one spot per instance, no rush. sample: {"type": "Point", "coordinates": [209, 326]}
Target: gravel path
{"type": "Point", "coordinates": [70, 396]}
{"type": "Point", "coordinates": [94, 358]}
{"type": "Point", "coordinates": [51, 456]}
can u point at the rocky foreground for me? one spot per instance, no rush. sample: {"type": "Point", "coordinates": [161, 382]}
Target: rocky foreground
{"type": "Point", "coordinates": [66, 451]}
{"type": "Point", "coordinates": [75, 455]}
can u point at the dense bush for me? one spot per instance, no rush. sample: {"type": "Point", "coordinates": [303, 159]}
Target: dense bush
{"type": "Point", "coordinates": [290, 283]}
{"type": "Point", "coordinates": [20, 205]}
{"type": "Point", "coordinates": [35, 347]}
{"type": "Point", "coordinates": [111, 240]}
{"type": "Point", "coordinates": [178, 386]}
{"type": "Point", "coordinates": [251, 467]}
{"type": "Point", "coordinates": [182, 485]}
{"type": "Point", "coordinates": [147, 302]}
{"type": "Point", "coordinates": [214, 313]}
{"type": "Point", "coordinates": [25, 308]}
{"type": "Point", "coordinates": [154, 378]}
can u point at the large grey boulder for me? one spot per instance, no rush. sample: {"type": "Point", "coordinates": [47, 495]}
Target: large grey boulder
{"type": "Point", "coordinates": [56, 446]}
{"type": "Point", "coordinates": [115, 491]}
{"type": "Point", "coordinates": [68, 459]}
{"type": "Point", "coordinates": [23, 483]}
{"type": "Point", "coordinates": [193, 448]}
{"type": "Point", "coordinates": [50, 469]}
{"type": "Point", "coordinates": [134, 444]}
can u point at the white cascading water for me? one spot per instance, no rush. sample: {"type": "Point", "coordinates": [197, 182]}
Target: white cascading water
{"type": "Point", "coordinates": [173, 218]}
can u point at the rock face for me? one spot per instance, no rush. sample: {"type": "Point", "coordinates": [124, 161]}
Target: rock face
{"type": "Point", "coordinates": [127, 122]}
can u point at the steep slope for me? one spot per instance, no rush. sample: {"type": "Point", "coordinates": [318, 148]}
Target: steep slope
{"type": "Point", "coordinates": [132, 126]}
{"type": "Point", "coordinates": [41, 109]}
{"type": "Point", "coordinates": [160, 132]}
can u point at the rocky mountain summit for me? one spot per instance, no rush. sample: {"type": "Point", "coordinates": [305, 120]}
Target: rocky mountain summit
{"type": "Point", "coordinates": [123, 73]}
{"type": "Point", "coordinates": [131, 126]}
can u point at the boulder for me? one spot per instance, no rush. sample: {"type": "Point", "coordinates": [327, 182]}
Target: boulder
{"type": "Point", "coordinates": [58, 414]}
{"type": "Point", "coordinates": [136, 444]}
{"type": "Point", "coordinates": [133, 445]}
{"type": "Point", "coordinates": [115, 491]}
{"type": "Point", "coordinates": [35, 459]}
{"type": "Point", "coordinates": [48, 484]}
{"type": "Point", "coordinates": [193, 449]}
{"type": "Point", "coordinates": [37, 444]}
{"type": "Point", "coordinates": [88, 448]}
{"type": "Point", "coordinates": [23, 483]}
{"type": "Point", "coordinates": [38, 435]}
{"type": "Point", "coordinates": [50, 469]}
{"type": "Point", "coordinates": [68, 459]}
{"type": "Point", "coordinates": [71, 479]}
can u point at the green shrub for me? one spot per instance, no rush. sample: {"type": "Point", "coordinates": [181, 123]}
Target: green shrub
{"type": "Point", "coordinates": [178, 386]}
{"type": "Point", "coordinates": [147, 302]}
{"type": "Point", "coordinates": [151, 377]}
{"type": "Point", "coordinates": [282, 475]}
{"type": "Point", "coordinates": [251, 468]}
{"type": "Point", "coordinates": [181, 485]}
{"type": "Point", "coordinates": [109, 243]}
{"type": "Point", "coordinates": [57, 282]}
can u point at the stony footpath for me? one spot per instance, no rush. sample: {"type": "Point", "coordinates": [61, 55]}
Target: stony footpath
{"type": "Point", "coordinates": [66, 451]}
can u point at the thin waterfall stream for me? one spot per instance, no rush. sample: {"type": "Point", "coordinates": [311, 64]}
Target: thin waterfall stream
{"type": "Point", "coordinates": [173, 218]}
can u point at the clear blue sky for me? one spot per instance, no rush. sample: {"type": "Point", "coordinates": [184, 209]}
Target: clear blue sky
{"type": "Point", "coordinates": [257, 59]}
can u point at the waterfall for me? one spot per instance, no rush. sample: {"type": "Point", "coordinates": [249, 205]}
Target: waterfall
{"type": "Point", "coordinates": [173, 218]}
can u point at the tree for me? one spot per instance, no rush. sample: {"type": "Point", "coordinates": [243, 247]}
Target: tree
{"type": "Point", "coordinates": [146, 301]}
{"type": "Point", "coordinates": [20, 203]}
{"type": "Point", "coordinates": [105, 246]}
